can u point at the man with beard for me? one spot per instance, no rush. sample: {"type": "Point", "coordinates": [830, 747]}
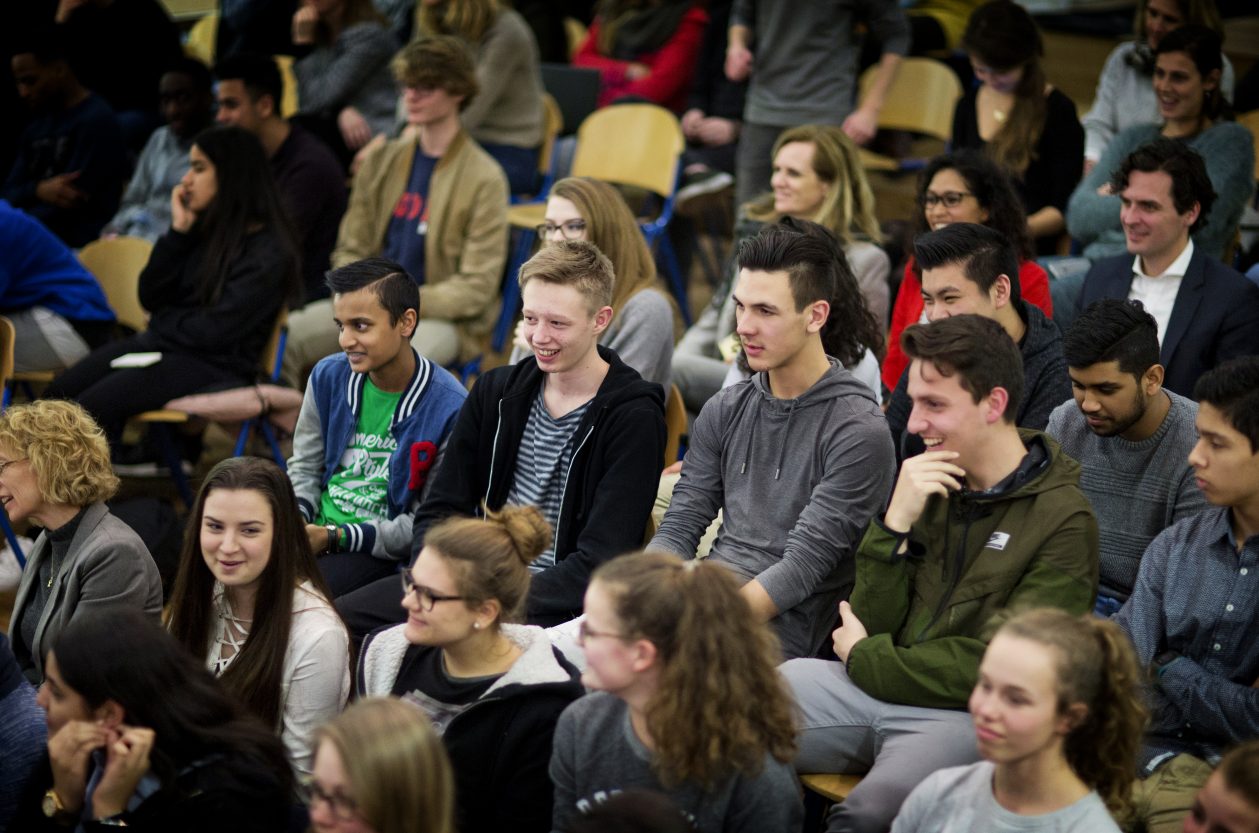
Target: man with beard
{"type": "Point", "coordinates": [1131, 436]}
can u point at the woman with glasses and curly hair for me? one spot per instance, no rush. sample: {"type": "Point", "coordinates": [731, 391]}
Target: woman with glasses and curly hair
{"type": "Point", "coordinates": [492, 689]}
{"type": "Point", "coordinates": [688, 701]}
{"type": "Point", "coordinates": [963, 187]}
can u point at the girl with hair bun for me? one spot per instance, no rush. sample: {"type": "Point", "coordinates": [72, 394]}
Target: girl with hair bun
{"type": "Point", "coordinates": [1058, 720]}
{"type": "Point", "coordinates": [380, 768]}
{"type": "Point", "coordinates": [688, 701]}
{"type": "Point", "coordinates": [493, 689]}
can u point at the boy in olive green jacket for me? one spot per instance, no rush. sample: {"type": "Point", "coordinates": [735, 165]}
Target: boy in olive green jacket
{"type": "Point", "coordinates": [989, 519]}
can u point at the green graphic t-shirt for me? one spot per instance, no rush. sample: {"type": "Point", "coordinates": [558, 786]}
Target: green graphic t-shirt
{"type": "Point", "coordinates": [359, 489]}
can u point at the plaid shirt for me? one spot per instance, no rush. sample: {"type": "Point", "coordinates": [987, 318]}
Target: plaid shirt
{"type": "Point", "coordinates": [1198, 596]}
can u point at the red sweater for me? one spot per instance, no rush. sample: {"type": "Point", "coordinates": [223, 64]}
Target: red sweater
{"type": "Point", "coordinates": [1033, 285]}
{"type": "Point", "coordinates": [671, 65]}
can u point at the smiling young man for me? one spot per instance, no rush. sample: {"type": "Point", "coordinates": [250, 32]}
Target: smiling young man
{"type": "Point", "coordinates": [372, 426]}
{"type": "Point", "coordinates": [989, 519]}
{"type": "Point", "coordinates": [1130, 436]}
{"type": "Point", "coordinates": [1206, 312]}
{"type": "Point", "coordinates": [1194, 610]}
{"type": "Point", "coordinates": [797, 459]}
{"type": "Point", "coordinates": [970, 269]}
{"type": "Point", "coordinates": [434, 201]}
{"type": "Point", "coordinates": [572, 430]}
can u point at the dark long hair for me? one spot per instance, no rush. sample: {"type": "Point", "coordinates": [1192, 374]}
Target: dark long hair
{"type": "Point", "coordinates": [246, 201]}
{"type": "Point", "coordinates": [255, 676]}
{"type": "Point", "coordinates": [991, 187]}
{"type": "Point", "coordinates": [1203, 46]}
{"type": "Point", "coordinates": [1003, 35]}
{"type": "Point", "coordinates": [119, 654]}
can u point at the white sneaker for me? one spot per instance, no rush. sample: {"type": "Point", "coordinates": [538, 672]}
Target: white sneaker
{"type": "Point", "coordinates": [10, 572]}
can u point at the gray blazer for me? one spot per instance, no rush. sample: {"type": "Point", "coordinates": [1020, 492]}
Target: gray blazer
{"type": "Point", "coordinates": [107, 564]}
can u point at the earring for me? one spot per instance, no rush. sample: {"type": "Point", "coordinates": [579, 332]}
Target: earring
{"type": "Point", "coordinates": [476, 626]}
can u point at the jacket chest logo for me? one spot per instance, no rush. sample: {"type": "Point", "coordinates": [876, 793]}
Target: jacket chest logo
{"type": "Point", "coordinates": [997, 541]}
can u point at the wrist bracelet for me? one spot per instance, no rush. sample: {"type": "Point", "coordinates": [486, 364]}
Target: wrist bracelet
{"type": "Point", "coordinates": [333, 538]}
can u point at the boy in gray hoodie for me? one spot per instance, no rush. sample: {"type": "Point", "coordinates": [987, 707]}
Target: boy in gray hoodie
{"type": "Point", "coordinates": [798, 458]}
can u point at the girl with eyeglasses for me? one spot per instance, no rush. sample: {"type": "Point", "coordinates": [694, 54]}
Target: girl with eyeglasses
{"type": "Point", "coordinates": [963, 187]}
{"type": "Point", "coordinates": [380, 768]}
{"type": "Point", "coordinates": [646, 319]}
{"type": "Point", "coordinates": [492, 689]}
{"type": "Point", "coordinates": [688, 701]}
{"type": "Point", "coordinates": [249, 599]}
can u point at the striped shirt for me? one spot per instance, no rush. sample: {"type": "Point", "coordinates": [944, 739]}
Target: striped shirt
{"type": "Point", "coordinates": [1198, 596]}
{"type": "Point", "coordinates": [542, 461]}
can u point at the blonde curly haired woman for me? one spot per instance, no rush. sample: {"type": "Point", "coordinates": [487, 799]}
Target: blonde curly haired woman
{"type": "Point", "coordinates": [55, 473]}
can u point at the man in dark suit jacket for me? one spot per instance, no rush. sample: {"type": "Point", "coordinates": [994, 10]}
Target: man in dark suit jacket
{"type": "Point", "coordinates": [1206, 312]}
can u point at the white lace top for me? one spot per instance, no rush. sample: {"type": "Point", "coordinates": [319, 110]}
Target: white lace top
{"type": "Point", "coordinates": [316, 679]}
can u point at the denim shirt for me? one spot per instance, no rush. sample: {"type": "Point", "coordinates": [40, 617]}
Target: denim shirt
{"type": "Point", "coordinates": [1197, 595]}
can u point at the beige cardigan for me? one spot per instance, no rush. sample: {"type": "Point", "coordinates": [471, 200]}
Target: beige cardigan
{"type": "Point", "coordinates": [465, 250]}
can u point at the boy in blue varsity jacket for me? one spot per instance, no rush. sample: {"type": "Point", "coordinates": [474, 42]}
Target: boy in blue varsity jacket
{"type": "Point", "coordinates": [372, 425]}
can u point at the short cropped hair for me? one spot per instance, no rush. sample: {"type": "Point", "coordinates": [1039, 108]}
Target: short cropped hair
{"type": "Point", "coordinates": [1240, 769]}
{"type": "Point", "coordinates": [439, 61]}
{"type": "Point", "coordinates": [67, 450]}
{"type": "Point", "coordinates": [1111, 330]}
{"type": "Point", "coordinates": [1233, 388]}
{"type": "Point", "coordinates": [809, 253]}
{"type": "Point", "coordinates": [396, 290]}
{"type": "Point", "coordinates": [977, 349]}
{"type": "Point", "coordinates": [1190, 183]}
{"type": "Point", "coordinates": [981, 252]}
{"type": "Point", "coordinates": [195, 71]}
{"type": "Point", "coordinates": [259, 74]}
{"type": "Point", "coordinates": [575, 263]}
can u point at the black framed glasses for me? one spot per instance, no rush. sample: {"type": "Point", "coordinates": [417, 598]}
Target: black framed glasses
{"type": "Point", "coordinates": [585, 632]}
{"type": "Point", "coordinates": [425, 595]}
{"type": "Point", "coordinates": [343, 807]}
{"type": "Point", "coordinates": [570, 230]}
{"type": "Point", "coordinates": [951, 199]}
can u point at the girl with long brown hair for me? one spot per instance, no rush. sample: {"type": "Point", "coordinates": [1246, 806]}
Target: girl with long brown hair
{"type": "Point", "coordinates": [1058, 720]}
{"type": "Point", "coordinates": [1025, 124]}
{"type": "Point", "coordinates": [687, 701]}
{"type": "Point", "coordinates": [249, 598]}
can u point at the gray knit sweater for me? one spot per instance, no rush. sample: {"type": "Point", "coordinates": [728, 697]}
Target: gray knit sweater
{"type": "Point", "coordinates": [1137, 489]}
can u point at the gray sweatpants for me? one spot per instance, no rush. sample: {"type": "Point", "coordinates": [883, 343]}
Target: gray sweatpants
{"type": "Point", "coordinates": [843, 729]}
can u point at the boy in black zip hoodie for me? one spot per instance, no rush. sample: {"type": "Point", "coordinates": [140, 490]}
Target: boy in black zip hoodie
{"type": "Point", "coordinates": [572, 430]}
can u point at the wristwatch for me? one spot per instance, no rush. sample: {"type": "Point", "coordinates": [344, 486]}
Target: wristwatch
{"type": "Point", "coordinates": [53, 808]}
{"type": "Point", "coordinates": [332, 537]}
